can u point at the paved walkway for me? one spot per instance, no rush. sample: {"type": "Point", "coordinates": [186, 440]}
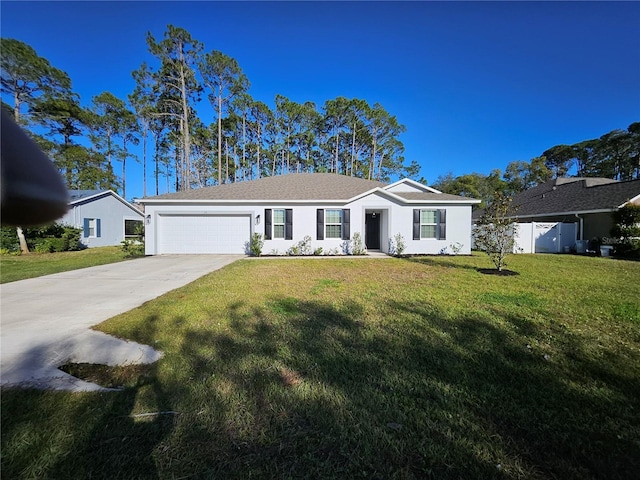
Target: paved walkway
{"type": "Point", "coordinates": [45, 322]}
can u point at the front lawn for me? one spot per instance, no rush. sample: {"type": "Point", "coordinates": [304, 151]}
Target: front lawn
{"type": "Point", "coordinates": [20, 267]}
{"type": "Point", "coordinates": [360, 368]}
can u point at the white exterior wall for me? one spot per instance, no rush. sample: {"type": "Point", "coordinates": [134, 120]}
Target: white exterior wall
{"type": "Point", "coordinates": [112, 214]}
{"type": "Point", "coordinates": [458, 234]}
{"type": "Point", "coordinates": [395, 218]}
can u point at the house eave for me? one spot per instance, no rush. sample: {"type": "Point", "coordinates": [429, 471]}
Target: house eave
{"type": "Point", "coordinates": [632, 200]}
{"type": "Point", "coordinates": [201, 201]}
{"type": "Point", "coordinates": [104, 193]}
{"type": "Point", "coordinates": [306, 202]}
{"type": "Point", "coordinates": [414, 183]}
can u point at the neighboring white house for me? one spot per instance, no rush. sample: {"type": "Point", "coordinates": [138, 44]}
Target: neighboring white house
{"type": "Point", "coordinates": [328, 208]}
{"type": "Point", "coordinates": [104, 217]}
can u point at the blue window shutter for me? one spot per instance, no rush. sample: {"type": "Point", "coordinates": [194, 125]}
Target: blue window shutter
{"type": "Point", "coordinates": [97, 227]}
{"type": "Point", "coordinates": [442, 224]}
{"type": "Point", "coordinates": [288, 224]}
{"type": "Point", "coordinates": [346, 224]}
{"type": "Point", "coordinates": [416, 224]}
{"type": "Point", "coordinates": [267, 224]}
{"type": "Point", "coordinates": [86, 228]}
{"type": "Point", "coordinates": [320, 224]}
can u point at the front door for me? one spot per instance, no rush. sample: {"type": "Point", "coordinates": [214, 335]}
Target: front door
{"type": "Point", "coordinates": [372, 231]}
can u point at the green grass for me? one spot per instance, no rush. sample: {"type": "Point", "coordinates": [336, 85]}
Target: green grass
{"type": "Point", "coordinates": [354, 368]}
{"type": "Point", "coordinates": [20, 267]}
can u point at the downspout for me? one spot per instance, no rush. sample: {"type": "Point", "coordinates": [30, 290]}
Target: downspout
{"type": "Point", "coordinates": [581, 226]}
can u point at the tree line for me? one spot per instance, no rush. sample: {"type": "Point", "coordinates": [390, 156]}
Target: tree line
{"type": "Point", "coordinates": [614, 155]}
{"type": "Point", "coordinates": [237, 138]}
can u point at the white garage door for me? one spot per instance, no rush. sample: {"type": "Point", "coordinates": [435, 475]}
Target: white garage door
{"type": "Point", "coordinates": [203, 233]}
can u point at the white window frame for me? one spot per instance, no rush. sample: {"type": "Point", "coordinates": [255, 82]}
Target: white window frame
{"type": "Point", "coordinates": [275, 224]}
{"type": "Point", "coordinates": [93, 228]}
{"type": "Point", "coordinates": [433, 224]}
{"type": "Point", "coordinates": [332, 224]}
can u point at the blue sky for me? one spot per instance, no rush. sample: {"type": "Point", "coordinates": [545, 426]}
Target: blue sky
{"type": "Point", "coordinates": [477, 84]}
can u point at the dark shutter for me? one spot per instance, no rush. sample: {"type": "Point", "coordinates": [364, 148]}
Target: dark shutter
{"type": "Point", "coordinates": [86, 228]}
{"type": "Point", "coordinates": [320, 225]}
{"type": "Point", "coordinates": [267, 224]}
{"type": "Point", "coordinates": [288, 224]}
{"type": "Point", "coordinates": [97, 227]}
{"type": "Point", "coordinates": [416, 224]}
{"type": "Point", "coordinates": [442, 224]}
{"type": "Point", "coordinates": [346, 224]}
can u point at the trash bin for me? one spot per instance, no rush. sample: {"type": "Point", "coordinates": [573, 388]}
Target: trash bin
{"type": "Point", "coordinates": [566, 249]}
{"type": "Point", "coordinates": [581, 246]}
{"type": "Point", "coordinates": [605, 250]}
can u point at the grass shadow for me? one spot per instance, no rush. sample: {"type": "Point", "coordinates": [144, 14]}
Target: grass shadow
{"type": "Point", "coordinates": [300, 385]}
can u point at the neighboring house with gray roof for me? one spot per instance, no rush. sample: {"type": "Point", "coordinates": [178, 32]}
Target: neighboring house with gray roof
{"type": "Point", "coordinates": [329, 208]}
{"type": "Point", "coordinates": [588, 202]}
{"type": "Point", "coordinates": [104, 217]}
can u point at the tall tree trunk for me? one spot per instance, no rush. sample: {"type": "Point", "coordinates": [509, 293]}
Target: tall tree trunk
{"type": "Point", "coordinates": [144, 162]}
{"type": "Point", "coordinates": [24, 248]}
{"type": "Point", "coordinates": [156, 160]}
{"type": "Point", "coordinates": [275, 159]}
{"type": "Point", "coordinates": [185, 127]}
{"type": "Point", "coordinates": [258, 172]}
{"type": "Point", "coordinates": [219, 135]}
{"type": "Point", "coordinates": [353, 147]}
{"type": "Point", "coordinates": [124, 168]}
{"type": "Point", "coordinates": [372, 166]}
{"type": "Point", "coordinates": [177, 160]}
{"type": "Point", "coordinates": [16, 105]}
{"type": "Point", "coordinates": [335, 166]}
{"type": "Point", "coordinates": [244, 143]}
{"type": "Point", "coordinates": [380, 167]}
{"type": "Point", "coordinates": [288, 150]}
{"type": "Point", "coordinates": [226, 151]}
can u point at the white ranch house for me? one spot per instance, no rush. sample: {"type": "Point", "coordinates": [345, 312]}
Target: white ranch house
{"type": "Point", "coordinates": [329, 208]}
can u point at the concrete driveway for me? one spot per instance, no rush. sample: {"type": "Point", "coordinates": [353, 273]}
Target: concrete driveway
{"type": "Point", "coordinates": [45, 321]}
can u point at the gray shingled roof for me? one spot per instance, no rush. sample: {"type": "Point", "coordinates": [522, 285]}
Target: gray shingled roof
{"type": "Point", "coordinates": [293, 186]}
{"type": "Point", "coordinates": [80, 194]}
{"type": "Point", "coordinates": [298, 187]}
{"type": "Point", "coordinates": [569, 195]}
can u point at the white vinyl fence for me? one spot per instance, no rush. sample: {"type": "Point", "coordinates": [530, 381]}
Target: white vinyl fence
{"type": "Point", "coordinates": [545, 237]}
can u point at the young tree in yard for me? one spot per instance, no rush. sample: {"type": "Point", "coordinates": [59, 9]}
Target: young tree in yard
{"type": "Point", "coordinates": [494, 233]}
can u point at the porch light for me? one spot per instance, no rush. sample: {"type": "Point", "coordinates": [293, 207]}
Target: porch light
{"type": "Point", "coordinates": [148, 218]}
{"type": "Point", "coordinates": [257, 219]}
{"type": "Point", "coordinates": [373, 214]}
